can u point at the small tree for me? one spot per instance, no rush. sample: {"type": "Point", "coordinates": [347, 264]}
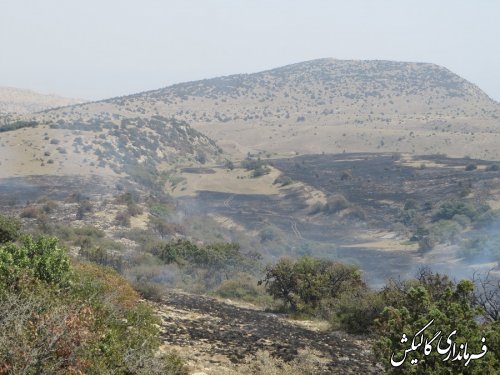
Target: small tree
{"type": "Point", "coordinates": [228, 164]}
{"type": "Point", "coordinates": [302, 284]}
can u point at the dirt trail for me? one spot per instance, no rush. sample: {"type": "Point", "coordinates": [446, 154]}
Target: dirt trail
{"type": "Point", "coordinates": [216, 332]}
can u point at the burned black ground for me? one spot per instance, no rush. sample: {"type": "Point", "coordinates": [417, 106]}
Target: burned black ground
{"type": "Point", "coordinates": [376, 185]}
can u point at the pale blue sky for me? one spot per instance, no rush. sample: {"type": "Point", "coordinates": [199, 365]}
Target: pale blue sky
{"type": "Point", "coordinates": [101, 48]}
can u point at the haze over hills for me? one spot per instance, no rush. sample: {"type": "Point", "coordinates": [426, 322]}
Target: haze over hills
{"type": "Point", "coordinates": [14, 100]}
{"type": "Point", "coordinates": [324, 105]}
{"type": "Point", "coordinates": [141, 184]}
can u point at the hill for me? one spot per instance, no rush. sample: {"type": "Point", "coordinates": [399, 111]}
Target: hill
{"type": "Point", "coordinates": [98, 147]}
{"type": "Point", "coordinates": [14, 100]}
{"type": "Point", "coordinates": [325, 105]}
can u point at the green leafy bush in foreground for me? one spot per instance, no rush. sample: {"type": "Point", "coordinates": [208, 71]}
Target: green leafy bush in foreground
{"type": "Point", "coordinates": [62, 318]}
{"type": "Point", "coordinates": [411, 305]}
{"type": "Point", "coordinates": [314, 287]}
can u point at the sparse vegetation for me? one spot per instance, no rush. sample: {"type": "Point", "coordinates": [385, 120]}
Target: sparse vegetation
{"type": "Point", "coordinates": [283, 180]}
{"type": "Point", "coordinates": [30, 212]}
{"type": "Point", "coordinates": [335, 204]}
{"type": "Point", "coordinates": [84, 208]}
{"type": "Point", "coordinates": [257, 166]}
{"type": "Point", "coordinates": [243, 287]}
{"type": "Point", "coordinates": [17, 125]}
{"type": "Point", "coordinates": [228, 164]}
{"type": "Point", "coordinates": [471, 167]}
{"type": "Point", "coordinates": [213, 263]}
{"type": "Point", "coordinates": [123, 218]}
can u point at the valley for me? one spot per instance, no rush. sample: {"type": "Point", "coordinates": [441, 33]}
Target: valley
{"type": "Point", "coordinates": [376, 177]}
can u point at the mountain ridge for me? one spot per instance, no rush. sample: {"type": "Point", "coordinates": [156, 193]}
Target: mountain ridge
{"type": "Point", "coordinates": [288, 66]}
{"type": "Point", "coordinates": [21, 101]}
{"type": "Point", "coordinates": [308, 107]}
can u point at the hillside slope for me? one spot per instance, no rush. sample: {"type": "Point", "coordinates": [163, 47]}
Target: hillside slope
{"type": "Point", "coordinates": [133, 147]}
{"type": "Point", "coordinates": [325, 105]}
{"type": "Point", "coordinates": [14, 100]}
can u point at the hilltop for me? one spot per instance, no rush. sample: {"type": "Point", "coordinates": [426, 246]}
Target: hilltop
{"type": "Point", "coordinates": [324, 105]}
{"type": "Point", "coordinates": [15, 100]}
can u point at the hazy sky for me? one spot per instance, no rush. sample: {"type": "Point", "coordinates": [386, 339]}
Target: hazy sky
{"type": "Point", "coordinates": [101, 48]}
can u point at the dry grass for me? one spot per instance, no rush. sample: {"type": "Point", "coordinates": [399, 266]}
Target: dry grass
{"type": "Point", "coordinates": [24, 101]}
{"type": "Point", "coordinates": [237, 181]}
{"type": "Point", "coordinates": [24, 152]}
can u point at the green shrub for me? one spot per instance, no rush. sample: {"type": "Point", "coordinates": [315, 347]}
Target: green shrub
{"type": "Point", "coordinates": [17, 125]}
{"type": "Point", "coordinates": [487, 218]}
{"type": "Point", "coordinates": [165, 228]}
{"type": "Point", "coordinates": [134, 209]}
{"type": "Point", "coordinates": [228, 164]}
{"type": "Point", "coordinates": [257, 166]}
{"type": "Point", "coordinates": [451, 208]}
{"type": "Point", "coordinates": [316, 208]}
{"type": "Point", "coordinates": [127, 198]}
{"type": "Point", "coordinates": [123, 218]}
{"type": "Point", "coordinates": [150, 290]}
{"type": "Point", "coordinates": [445, 231]}
{"type": "Point", "coordinates": [283, 180]}
{"type": "Point", "coordinates": [49, 206]}
{"type": "Point", "coordinates": [410, 217]}
{"type": "Point", "coordinates": [303, 283]}
{"type": "Point", "coordinates": [260, 171]}
{"type": "Point", "coordinates": [244, 287]}
{"type": "Point", "coordinates": [127, 329]}
{"type": "Point", "coordinates": [102, 256]}
{"type": "Point", "coordinates": [484, 245]}
{"type": "Point", "coordinates": [335, 204]}
{"type": "Point", "coordinates": [463, 220]}
{"type": "Point", "coordinates": [42, 259]}
{"type": "Point", "coordinates": [214, 262]}
{"type": "Point", "coordinates": [9, 229]}
{"type": "Point", "coordinates": [89, 231]}
{"type": "Point", "coordinates": [84, 208]}
{"type": "Point", "coordinates": [160, 210]}
{"type": "Point", "coordinates": [30, 212]}
{"type": "Point", "coordinates": [269, 234]}
{"type": "Point", "coordinates": [355, 213]}
{"type": "Point", "coordinates": [355, 311]}
{"type": "Point", "coordinates": [426, 243]}
{"type": "Point", "coordinates": [56, 318]}
{"type": "Point", "coordinates": [471, 167]}
{"type": "Point", "coordinates": [410, 204]}
{"type": "Point", "coordinates": [449, 310]}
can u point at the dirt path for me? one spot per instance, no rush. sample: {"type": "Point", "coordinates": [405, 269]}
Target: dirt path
{"type": "Point", "coordinates": [215, 332]}
{"type": "Point", "coordinates": [296, 230]}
